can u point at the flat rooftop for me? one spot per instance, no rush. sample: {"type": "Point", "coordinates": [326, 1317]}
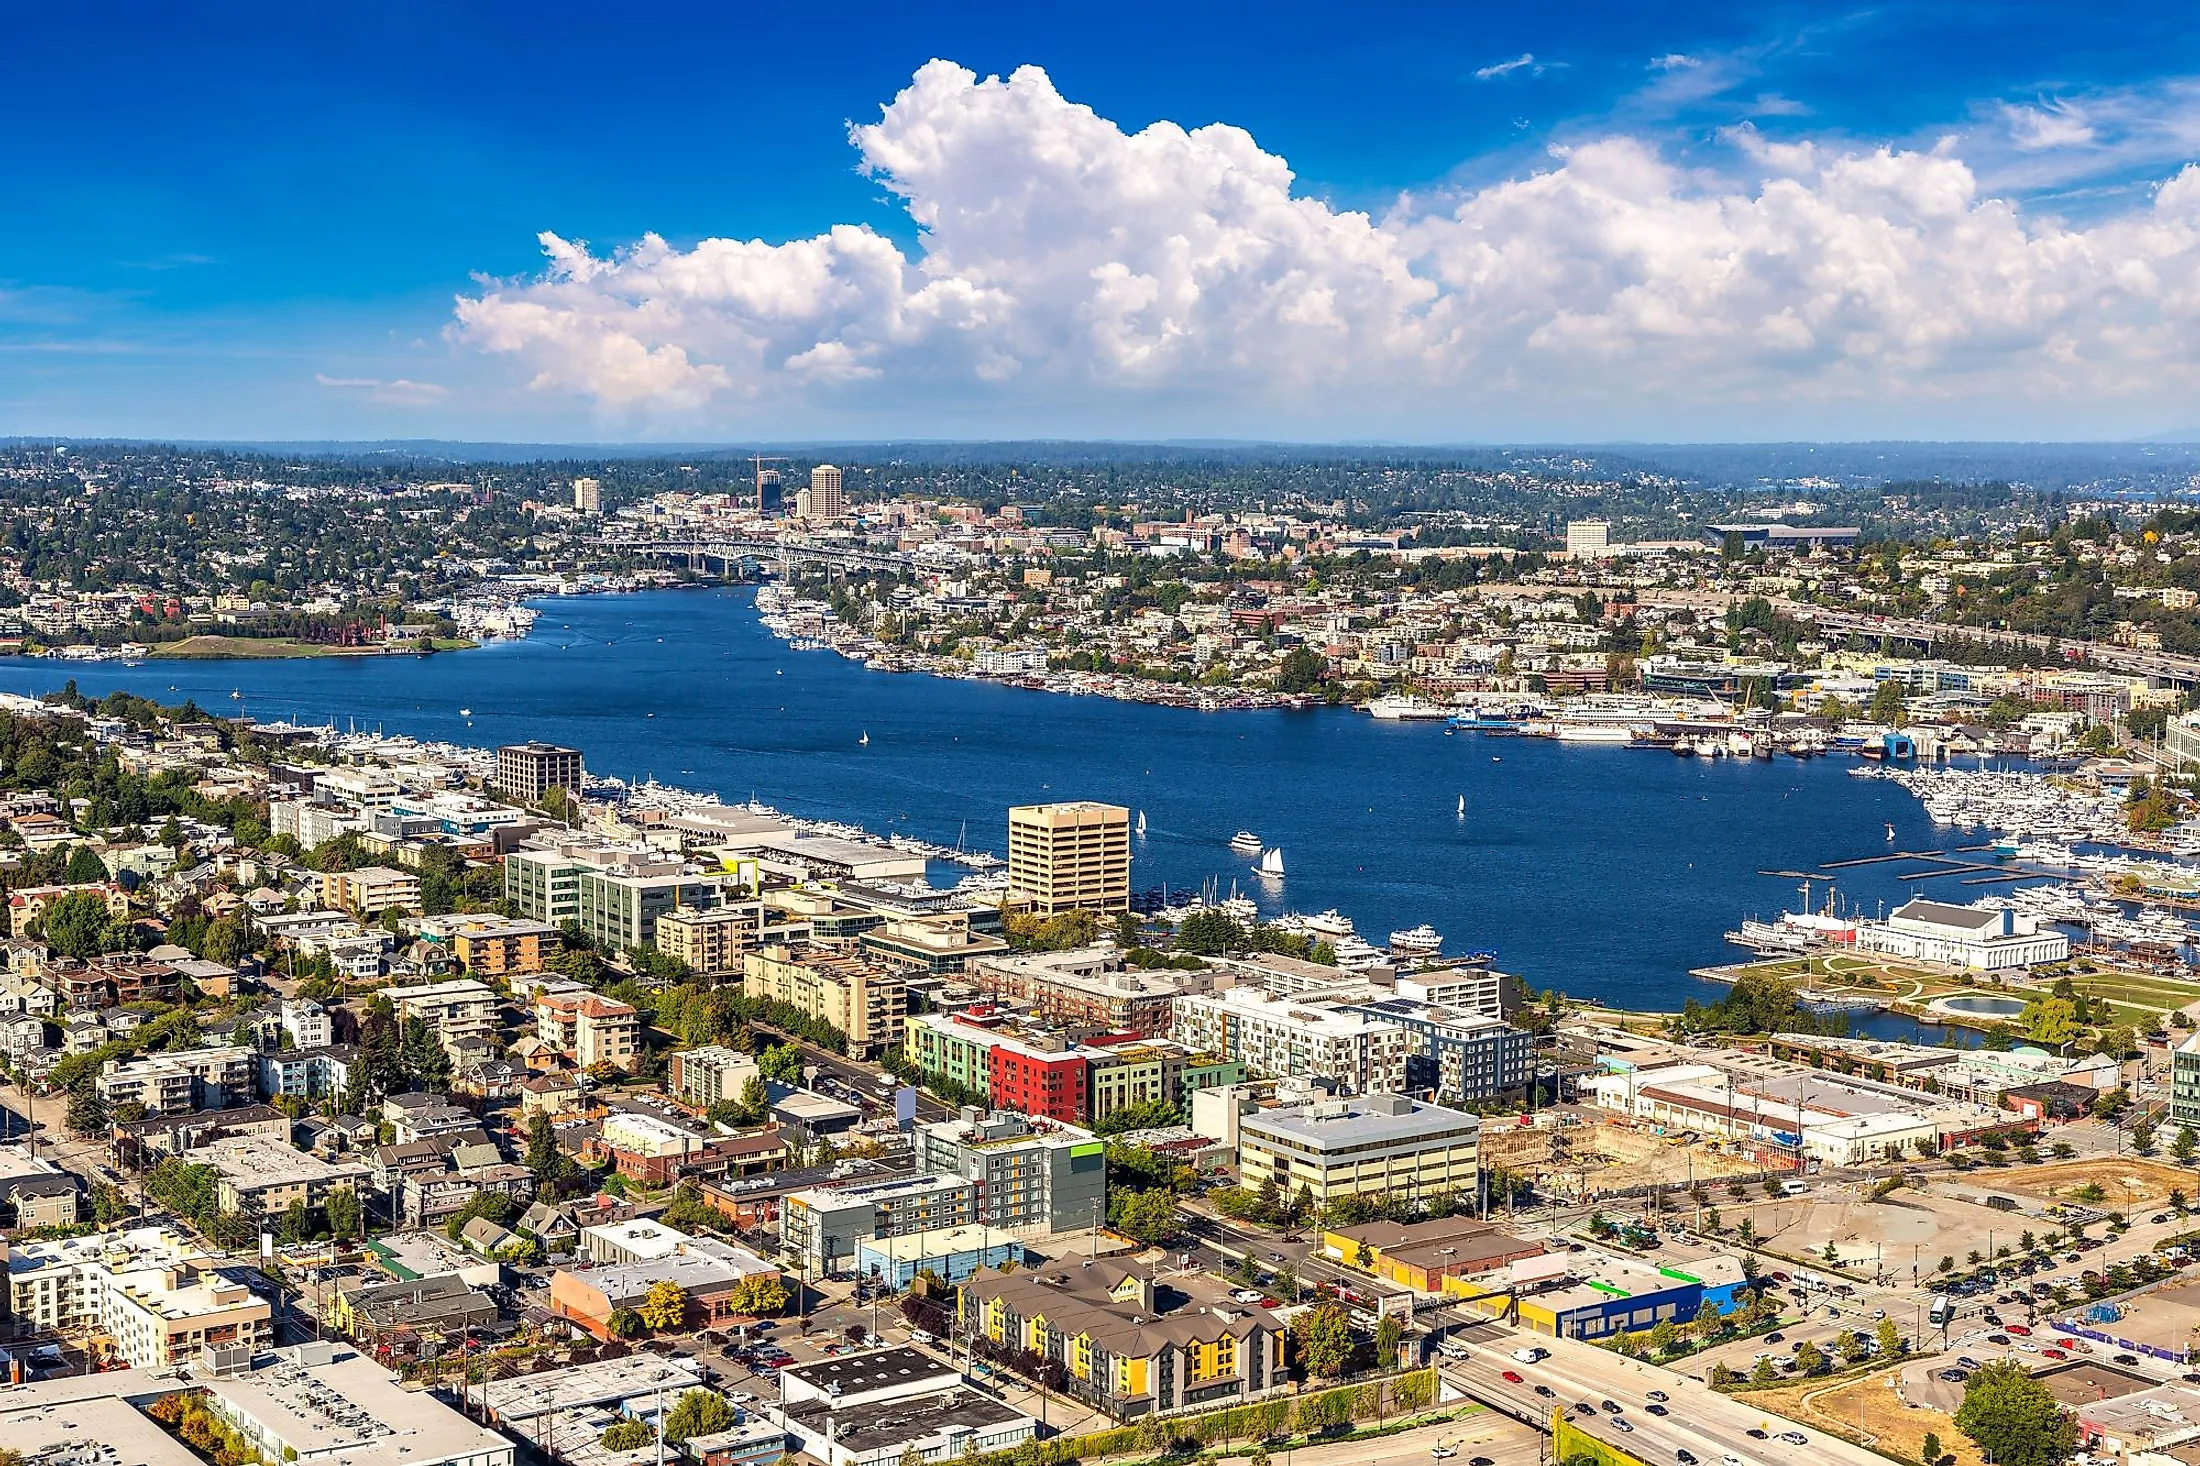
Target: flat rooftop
{"type": "Point", "coordinates": [1370, 1120]}
{"type": "Point", "coordinates": [859, 1374]}
{"type": "Point", "coordinates": [888, 1425]}
{"type": "Point", "coordinates": [524, 1397]}
{"type": "Point", "coordinates": [103, 1431]}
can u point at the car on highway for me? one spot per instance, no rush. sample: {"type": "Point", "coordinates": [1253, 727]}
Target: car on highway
{"type": "Point", "coordinates": [2053, 1354]}
{"type": "Point", "coordinates": [1622, 1426]}
{"type": "Point", "coordinates": [1610, 1407]}
{"type": "Point", "coordinates": [1480, 1461]}
{"type": "Point", "coordinates": [2019, 1330]}
{"type": "Point", "coordinates": [1511, 1378]}
{"type": "Point", "coordinates": [1685, 1456]}
{"type": "Point", "coordinates": [1656, 1409]}
{"type": "Point", "coordinates": [1583, 1407]}
{"type": "Point", "coordinates": [1757, 1433]}
{"type": "Point", "coordinates": [1795, 1437]}
{"type": "Point", "coordinates": [1730, 1459]}
{"type": "Point", "coordinates": [1773, 1338]}
{"type": "Point", "coordinates": [1658, 1395]}
{"type": "Point", "coordinates": [1997, 1338]}
{"type": "Point", "coordinates": [1546, 1391]}
{"type": "Point", "coordinates": [1442, 1453]}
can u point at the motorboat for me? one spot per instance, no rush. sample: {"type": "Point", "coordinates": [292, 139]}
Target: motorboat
{"type": "Point", "coordinates": [1420, 941]}
{"type": "Point", "coordinates": [1245, 842]}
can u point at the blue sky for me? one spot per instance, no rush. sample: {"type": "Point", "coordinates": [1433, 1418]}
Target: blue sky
{"type": "Point", "coordinates": [1589, 222]}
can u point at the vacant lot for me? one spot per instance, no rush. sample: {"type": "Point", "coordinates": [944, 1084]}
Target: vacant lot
{"type": "Point", "coordinates": [218, 647]}
{"type": "Point", "coordinates": [2165, 1318]}
{"type": "Point", "coordinates": [1902, 1236]}
{"type": "Point", "coordinates": [1869, 1412]}
{"type": "Point", "coordinates": [2124, 1180]}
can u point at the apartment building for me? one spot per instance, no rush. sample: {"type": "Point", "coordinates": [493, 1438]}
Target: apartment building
{"type": "Point", "coordinates": [488, 945]}
{"type": "Point", "coordinates": [1456, 1058]}
{"type": "Point", "coordinates": [715, 940]}
{"type": "Point", "coordinates": [179, 1081]}
{"type": "Point", "coordinates": [156, 1296]}
{"type": "Point", "coordinates": [312, 822]}
{"type": "Point", "coordinates": [27, 905]}
{"type": "Point", "coordinates": [457, 1011]}
{"type": "Point", "coordinates": [1089, 986]}
{"type": "Point", "coordinates": [702, 1077]}
{"type": "Point", "coordinates": [1119, 1343]}
{"type": "Point", "coordinates": [864, 1001]}
{"type": "Point", "coordinates": [1032, 1176]}
{"type": "Point", "coordinates": [1277, 1038]}
{"type": "Point", "coordinates": [1142, 1072]}
{"type": "Point", "coordinates": [529, 771]}
{"type": "Point", "coordinates": [589, 1029]}
{"type": "Point", "coordinates": [370, 890]}
{"type": "Point", "coordinates": [1069, 856]}
{"type": "Point", "coordinates": [1375, 1145]}
{"type": "Point", "coordinates": [307, 1023]}
{"type": "Point", "coordinates": [267, 1175]}
{"type": "Point", "coordinates": [823, 1224]}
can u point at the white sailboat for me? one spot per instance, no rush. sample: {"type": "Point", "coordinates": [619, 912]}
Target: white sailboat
{"type": "Point", "coordinates": [1462, 806]}
{"type": "Point", "coordinates": [865, 740]}
{"type": "Point", "coordinates": [1271, 865]}
{"type": "Point", "coordinates": [1142, 824]}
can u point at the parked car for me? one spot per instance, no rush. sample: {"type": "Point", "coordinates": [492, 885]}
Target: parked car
{"type": "Point", "coordinates": [2123, 1359]}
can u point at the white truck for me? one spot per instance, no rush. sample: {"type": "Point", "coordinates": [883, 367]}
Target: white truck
{"type": "Point", "coordinates": [1530, 1354]}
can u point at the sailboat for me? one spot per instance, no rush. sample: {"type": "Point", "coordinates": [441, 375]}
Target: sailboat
{"type": "Point", "coordinates": [1142, 824]}
{"type": "Point", "coordinates": [1271, 865]}
{"type": "Point", "coordinates": [465, 712]}
{"type": "Point", "coordinates": [1462, 806]}
{"type": "Point", "coordinates": [865, 740]}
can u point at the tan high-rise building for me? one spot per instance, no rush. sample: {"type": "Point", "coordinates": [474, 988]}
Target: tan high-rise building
{"type": "Point", "coordinates": [587, 496]}
{"type": "Point", "coordinates": [1069, 857]}
{"type": "Point", "coordinates": [825, 502]}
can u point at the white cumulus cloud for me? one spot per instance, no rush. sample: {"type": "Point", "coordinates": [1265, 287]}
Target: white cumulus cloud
{"type": "Point", "coordinates": [1063, 260]}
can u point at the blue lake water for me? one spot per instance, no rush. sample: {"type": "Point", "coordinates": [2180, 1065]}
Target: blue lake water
{"type": "Point", "coordinates": [1606, 872]}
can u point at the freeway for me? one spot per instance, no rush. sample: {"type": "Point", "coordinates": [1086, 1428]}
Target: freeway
{"type": "Point", "coordinates": [1710, 1427]}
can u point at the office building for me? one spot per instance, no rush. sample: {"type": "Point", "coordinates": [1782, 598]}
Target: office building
{"type": "Point", "coordinates": [1032, 1176]}
{"type": "Point", "coordinates": [587, 496]}
{"type": "Point", "coordinates": [2184, 1094]}
{"type": "Point", "coordinates": [825, 498]}
{"type": "Point", "coordinates": [157, 1295]}
{"type": "Point", "coordinates": [1382, 1145]}
{"type": "Point", "coordinates": [1069, 857]}
{"type": "Point", "coordinates": [1588, 539]}
{"type": "Point", "coordinates": [529, 771]}
{"type": "Point", "coordinates": [1276, 1038]}
{"type": "Point", "coordinates": [863, 1000]}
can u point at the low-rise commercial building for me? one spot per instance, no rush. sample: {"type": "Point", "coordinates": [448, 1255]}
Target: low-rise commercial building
{"type": "Point", "coordinates": [1439, 1255]}
{"type": "Point", "coordinates": [878, 1409]}
{"type": "Point", "coordinates": [708, 1271]}
{"type": "Point", "coordinates": [1382, 1145]}
{"type": "Point", "coordinates": [950, 1254]}
{"type": "Point", "coordinates": [1983, 938]}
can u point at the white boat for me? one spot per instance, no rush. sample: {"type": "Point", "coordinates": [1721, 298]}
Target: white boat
{"type": "Point", "coordinates": [1462, 806]}
{"type": "Point", "coordinates": [1245, 842]}
{"type": "Point", "coordinates": [1142, 824]}
{"type": "Point", "coordinates": [465, 712]}
{"type": "Point", "coordinates": [1593, 733]}
{"type": "Point", "coordinates": [1406, 709]}
{"type": "Point", "coordinates": [1271, 866]}
{"type": "Point", "coordinates": [1331, 923]}
{"type": "Point", "coordinates": [865, 740]}
{"type": "Point", "coordinates": [1421, 941]}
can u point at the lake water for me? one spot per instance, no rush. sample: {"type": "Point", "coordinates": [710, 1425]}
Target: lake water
{"type": "Point", "coordinates": [1606, 872]}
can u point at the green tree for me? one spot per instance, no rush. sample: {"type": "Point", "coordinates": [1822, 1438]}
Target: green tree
{"type": "Point", "coordinates": [1389, 1334]}
{"type": "Point", "coordinates": [628, 1435]}
{"type": "Point", "coordinates": [1889, 1339]}
{"type": "Point", "coordinates": [1929, 1452]}
{"type": "Point", "coordinates": [1325, 1341]}
{"type": "Point", "coordinates": [1148, 1216]}
{"type": "Point", "coordinates": [76, 924]}
{"type": "Point", "coordinates": [625, 1323]}
{"type": "Point", "coordinates": [2012, 1418]}
{"type": "Point", "coordinates": [781, 1063]}
{"type": "Point", "coordinates": [1809, 1358]}
{"type": "Point", "coordinates": [2185, 1145]}
{"type": "Point", "coordinates": [1764, 1374]}
{"type": "Point", "coordinates": [699, 1412]}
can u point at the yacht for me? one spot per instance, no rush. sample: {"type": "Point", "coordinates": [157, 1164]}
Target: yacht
{"type": "Point", "coordinates": [1271, 865]}
{"type": "Point", "coordinates": [1331, 923]}
{"type": "Point", "coordinates": [1593, 733]}
{"type": "Point", "coordinates": [1421, 941]}
{"type": "Point", "coordinates": [1407, 709]}
{"type": "Point", "coordinates": [1245, 842]}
